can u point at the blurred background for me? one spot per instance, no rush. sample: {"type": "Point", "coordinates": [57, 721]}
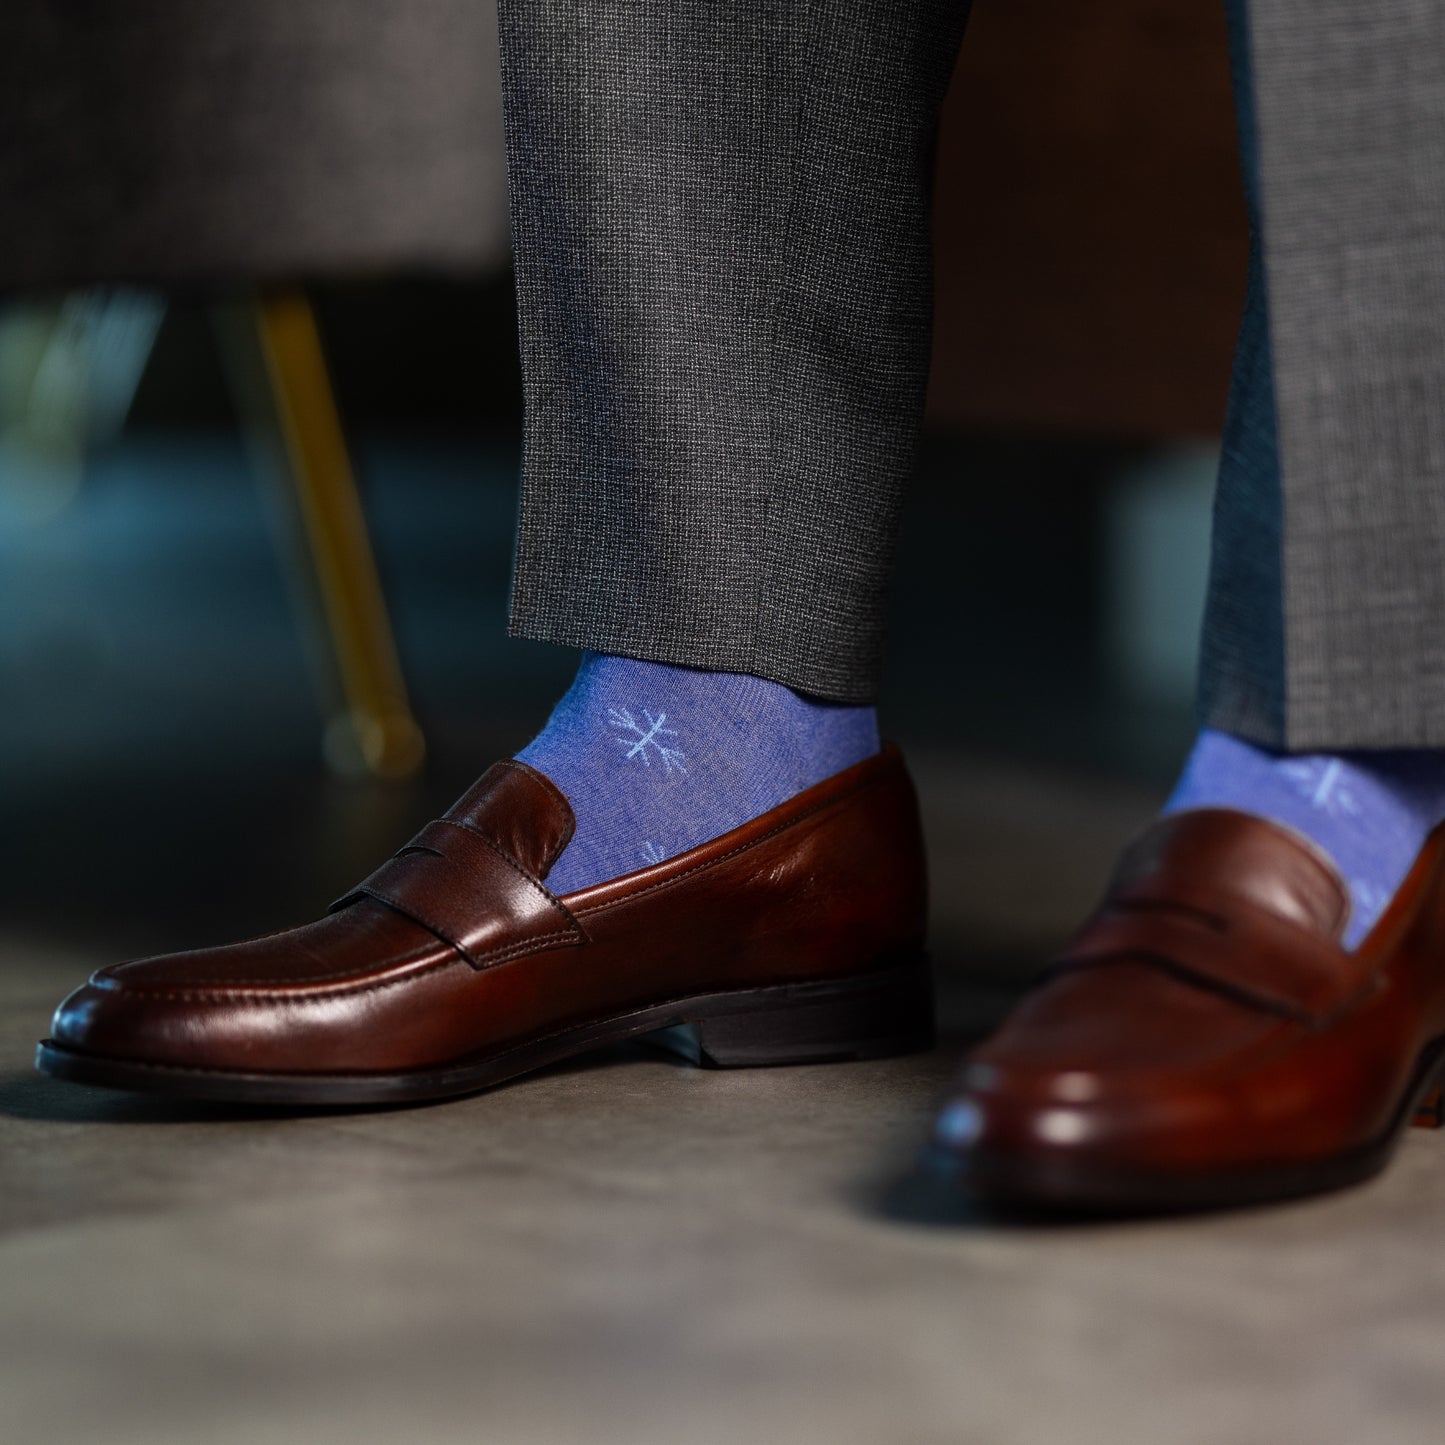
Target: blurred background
{"type": "Point", "coordinates": [259, 447]}
{"type": "Point", "coordinates": [235, 232]}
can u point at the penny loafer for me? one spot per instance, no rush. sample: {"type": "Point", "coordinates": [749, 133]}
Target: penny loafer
{"type": "Point", "coordinates": [1205, 1040]}
{"type": "Point", "coordinates": [795, 938]}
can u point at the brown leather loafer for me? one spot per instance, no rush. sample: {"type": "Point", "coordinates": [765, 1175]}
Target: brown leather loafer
{"type": "Point", "coordinates": [795, 938]}
{"type": "Point", "coordinates": [1205, 1040]}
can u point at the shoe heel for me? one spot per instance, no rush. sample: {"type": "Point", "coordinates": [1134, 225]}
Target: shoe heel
{"type": "Point", "coordinates": [868, 1016]}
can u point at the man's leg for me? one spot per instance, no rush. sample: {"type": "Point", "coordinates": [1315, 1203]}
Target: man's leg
{"type": "Point", "coordinates": [1330, 562]}
{"type": "Point", "coordinates": [1323, 672]}
{"type": "Point", "coordinates": [722, 263]}
{"type": "Point", "coordinates": [1213, 1035]}
{"type": "Point", "coordinates": [723, 271]}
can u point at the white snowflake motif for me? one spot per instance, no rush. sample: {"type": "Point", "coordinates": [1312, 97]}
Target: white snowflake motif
{"type": "Point", "coordinates": [1321, 783]}
{"type": "Point", "coordinates": [644, 742]}
{"type": "Point", "coordinates": [653, 853]}
{"type": "Point", "coordinates": [1370, 900]}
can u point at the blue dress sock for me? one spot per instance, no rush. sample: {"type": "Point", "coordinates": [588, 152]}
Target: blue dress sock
{"type": "Point", "coordinates": [655, 759]}
{"type": "Point", "coordinates": [1369, 811]}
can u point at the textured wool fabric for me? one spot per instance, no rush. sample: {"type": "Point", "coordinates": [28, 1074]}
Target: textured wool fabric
{"type": "Point", "coordinates": [1369, 811]}
{"type": "Point", "coordinates": [720, 218]}
{"type": "Point", "coordinates": [655, 759]}
{"type": "Point", "coordinates": [720, 226]}
{"type": "Point", "coordinates": [1328, 601]}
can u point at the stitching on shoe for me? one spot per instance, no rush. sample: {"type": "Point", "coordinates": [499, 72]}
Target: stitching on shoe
{"type": "Point", "coordinates": [561, 1031]}
{"type": "Point", "coordinates": [532, 775]}
{"type": "Point", "coordinates": [500, 954]}
{"type": "Point", "coordinates": [526, 876]}
{"type": "Point", "coordinates": [783, 827]}
{"type": "Point", "coordinates": [541, 944]}
{"type": "Point", "coordinates": [268, 989]}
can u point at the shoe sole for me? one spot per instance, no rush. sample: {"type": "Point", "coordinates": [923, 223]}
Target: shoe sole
{"type": "Point", "coordinates": [1047, 1185]}
{"type": "Point", "coordinates": [866, 1016]}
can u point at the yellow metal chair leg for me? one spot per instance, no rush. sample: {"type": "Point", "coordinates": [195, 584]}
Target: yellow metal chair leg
{"type": "Point", "coordinates": [373, 730]}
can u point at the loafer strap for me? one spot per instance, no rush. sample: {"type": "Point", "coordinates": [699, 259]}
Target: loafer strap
{"type": "Point", "coordinates": [460, 886]}
{"type": "Point", "coordinates": [1251, 955]}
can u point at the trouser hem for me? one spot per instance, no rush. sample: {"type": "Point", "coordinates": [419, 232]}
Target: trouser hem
{"type": "Point", "coordinates": [829, 678]}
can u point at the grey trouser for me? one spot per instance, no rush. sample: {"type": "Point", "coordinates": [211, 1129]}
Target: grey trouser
{"type": "Point", "coordinates": [1326, 620]}
{"type": "Point", "coordinates": [720, 216]}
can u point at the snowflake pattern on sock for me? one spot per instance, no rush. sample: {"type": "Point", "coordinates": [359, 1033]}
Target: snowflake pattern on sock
{"type": "Point", "coordinates": [656, 759]}
{"type": "Point", "coordinates": [1322, 783]}
{"type": "Point", "coordinates": [646, 742]}
{"type": "Point", "coordinates": [1367, 810]}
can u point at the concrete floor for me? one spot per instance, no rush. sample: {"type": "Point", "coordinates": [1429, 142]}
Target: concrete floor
{"type": "Point", "coordinates": [623, 1249]}
{"type": "Point", "coordinates": [630, 1250]}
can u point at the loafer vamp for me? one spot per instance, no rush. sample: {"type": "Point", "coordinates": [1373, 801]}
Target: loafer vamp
{"type": "Point", "coordinates": [1205, 1037]}
{"type": "Point", "coordinates": [345, 992]}
{"type": "Point", "coordinates": [1126, 1063]}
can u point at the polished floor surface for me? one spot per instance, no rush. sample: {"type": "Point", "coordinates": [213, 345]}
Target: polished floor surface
{"type": "Point", "coordinates": [623, 1249]}
{"type": "Point", "coordinates": [631, 1250]}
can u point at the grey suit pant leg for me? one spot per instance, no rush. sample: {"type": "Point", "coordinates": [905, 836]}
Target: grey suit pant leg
{"type": "Point", "coordinates": [720, 222]}
{"type": "Point", "coordinates": [1326, 622]}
